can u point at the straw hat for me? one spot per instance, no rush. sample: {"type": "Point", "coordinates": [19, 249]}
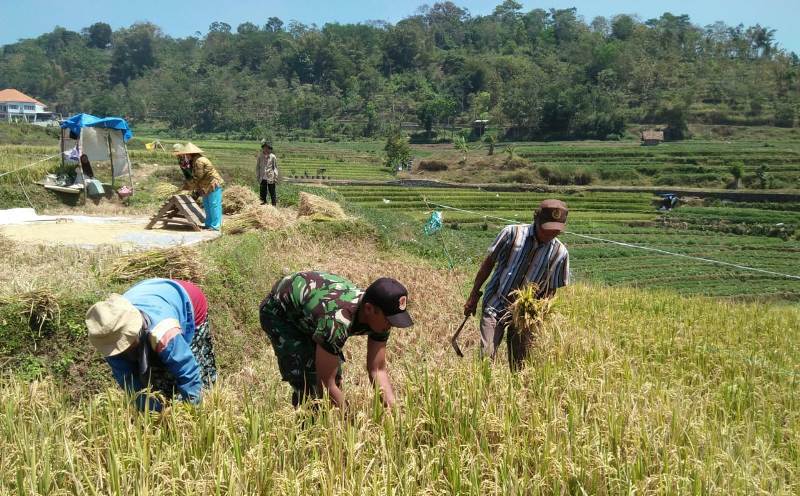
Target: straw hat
{"type": "Point", "coordinates": [113, 324]}
{"type": "Point", "coordinates": [177, 148]}
{"type": "Point", "coordinates": [189, 149]}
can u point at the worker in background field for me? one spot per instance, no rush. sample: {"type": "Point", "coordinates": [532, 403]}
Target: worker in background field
{"type": "Point", "coordinates": [308, 316]}
{"type": "Point", "coordinates": [156, 334]}
{"type": "Point", "coordinates": [205, 182]}
{"type": "Point", "coordinates": [267, 174]}
{"type": "Point", "coordinates": [520, 254]}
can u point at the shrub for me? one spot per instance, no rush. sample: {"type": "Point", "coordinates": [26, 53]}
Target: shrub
{"type": "Point", "coordinates": [565, 176]}
{"type": "Point", "coordinates": [522, 176]}
{"type": "Point", "coordinates": [432, 165]}
{"type": "Point", "coordinates": [515, 162]}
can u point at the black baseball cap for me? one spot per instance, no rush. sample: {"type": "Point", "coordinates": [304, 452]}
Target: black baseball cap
{"type": "Point", "coordinates": [392, 298]}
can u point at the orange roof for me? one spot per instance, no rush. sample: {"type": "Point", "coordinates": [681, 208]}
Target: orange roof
{"type": "Point", "coordinates": [12, 95]}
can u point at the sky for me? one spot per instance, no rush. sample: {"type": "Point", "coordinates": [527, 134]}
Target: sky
{"type": "Point", "coordinates": [179, 18]}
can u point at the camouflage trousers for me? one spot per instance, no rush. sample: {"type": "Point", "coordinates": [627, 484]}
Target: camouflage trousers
{"type": "Point", "coordinates": [295, 351]}
{"type": "Point", "coordinates": [162, 381]}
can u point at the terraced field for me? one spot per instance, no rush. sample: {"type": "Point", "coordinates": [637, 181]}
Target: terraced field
{"type": "Point", "coordinates": [298, 160]}
{"type": "Point", "coordinates": [697, 231]}
{"type": "Point", "coordinates": [694, 163]}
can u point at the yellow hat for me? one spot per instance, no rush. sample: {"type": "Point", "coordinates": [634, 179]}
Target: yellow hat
{"type": "Point", "coordinates": [189, 149]}
{"type": "Point", "coordinates": [113, 324]}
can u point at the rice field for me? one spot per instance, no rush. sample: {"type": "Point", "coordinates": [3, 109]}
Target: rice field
{"type": "Point", "coordinates": [716, 232]}
{"type": "Point", "coordinates": [628, 391]}
{"type": "Point", "coordinates": [635, 384]}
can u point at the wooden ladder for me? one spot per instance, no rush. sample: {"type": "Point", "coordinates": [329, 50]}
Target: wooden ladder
{"type": "Point", "coordinates": [181, 210]}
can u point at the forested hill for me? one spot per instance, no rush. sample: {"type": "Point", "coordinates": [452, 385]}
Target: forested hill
{"type": "Point", "coordinates": [542, 73]}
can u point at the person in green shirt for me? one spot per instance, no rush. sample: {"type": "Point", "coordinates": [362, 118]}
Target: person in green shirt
{"type": "Point", "coordinates": [308, 316]}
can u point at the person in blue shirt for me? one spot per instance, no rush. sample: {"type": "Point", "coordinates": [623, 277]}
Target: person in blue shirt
{"type": "Point", "coordinates": [156, 335]}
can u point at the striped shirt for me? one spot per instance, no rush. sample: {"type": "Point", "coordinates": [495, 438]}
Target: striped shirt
{"type": "Point", "coordinates": [519, 259]}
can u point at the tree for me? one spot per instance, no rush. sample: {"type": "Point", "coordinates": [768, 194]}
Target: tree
{"type": "Point", "coordinates": [622, 27]}
{"type": "Point", "coordinates": [675, 116]}
{"type": "Point", "coordinates": [435, 109]}
{"type": "Point", "coordinates": [398, 152]}
{"type": "Point", "coordinates": [247, 28]}
{"type": "Point", "coordinates": [460, 144]}
{"type": "Point", "coordinates": [99, 35]}
{"type": "Point", "coordinates": [491, 141]}
{"type": "Point", "coordinates": [133, 53]}
{"type": "Point", "coordinates": [273, 25]}
{"type": "Point", "coordinates": [737, 171]}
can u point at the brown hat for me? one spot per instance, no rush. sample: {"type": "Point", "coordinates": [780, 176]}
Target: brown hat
{"type": "Point", "coordinates": [552, 214]}
{"type": "Point", "coordinates": [113, 325]}
{"type": "Point", "coordinates": [188, 149]}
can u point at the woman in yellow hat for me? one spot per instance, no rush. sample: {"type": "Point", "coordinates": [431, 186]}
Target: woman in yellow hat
{"type": "Point", "coordinates": [206, 182]}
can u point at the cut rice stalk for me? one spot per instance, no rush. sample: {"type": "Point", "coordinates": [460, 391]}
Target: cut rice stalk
{"type": "Point", "coordinates": [180, 262]}
{"type": "Point", "coordinates": [256, 218]}
{"type": "Point", "coordinates": [318, 207]}
{"type": "Point", "coordinates": [165, 190]}
{"type": "Point", "coordinates": [528, 312]}
{"type": "Point", "coordinates": [237, 198]}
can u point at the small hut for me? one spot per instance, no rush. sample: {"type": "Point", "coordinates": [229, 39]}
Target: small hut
{"type": "Point", "coordinates": [652, 138]}
{"type": "Point", "coordinates": [101, 139]}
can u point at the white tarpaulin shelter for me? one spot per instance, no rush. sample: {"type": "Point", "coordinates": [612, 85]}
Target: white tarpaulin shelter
{"type": "Point", "coordinates": [102, 144]}
{"type": "Point", "coordinates": [102, 139]}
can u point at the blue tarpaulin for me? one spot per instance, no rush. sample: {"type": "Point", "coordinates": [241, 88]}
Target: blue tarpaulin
{"type": "Point", "coordinates": [79, 121]}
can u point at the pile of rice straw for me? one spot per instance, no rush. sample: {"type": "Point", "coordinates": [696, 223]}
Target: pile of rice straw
{"type": "Point", "coordinates": [180, 262]}
{"type": "Point", "coordinates": [319, 208]}
{"type": "Point", "coordinates": [165, 190]}
{"type": "Point", "coordinates": [39, 306]}
{"type": "Point", "coordinates": [256, 218]}
{"type": "Point", "coordinates": [237, 198]}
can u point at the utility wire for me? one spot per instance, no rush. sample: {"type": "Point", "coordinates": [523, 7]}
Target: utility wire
{"type": "Point", "coordinates": [29, 165]}
{"type": "Point", "coordinates": [631, 245]}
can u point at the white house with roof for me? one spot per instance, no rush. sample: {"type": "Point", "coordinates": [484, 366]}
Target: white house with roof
{"type": "Point", "coordinates": [16, 106]}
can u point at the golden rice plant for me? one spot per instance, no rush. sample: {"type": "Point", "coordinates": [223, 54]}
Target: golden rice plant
{"type": "Point", "coordinates": [237, 198]}
{"type": "Point", "coordinates": [180, 262]}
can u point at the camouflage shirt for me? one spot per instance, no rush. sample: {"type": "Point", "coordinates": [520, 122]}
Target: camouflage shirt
{"type": "Point", "coordinates": [324, 307]}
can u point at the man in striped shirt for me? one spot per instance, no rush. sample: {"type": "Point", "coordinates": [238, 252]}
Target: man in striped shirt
{"type": "Point", "coordinates": [521, 254]}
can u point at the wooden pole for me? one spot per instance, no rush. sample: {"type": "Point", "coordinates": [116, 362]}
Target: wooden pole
{"type": "Point", "coordinates": [130, 166]}
{"type": "Point", "coordinates": [110, 157]}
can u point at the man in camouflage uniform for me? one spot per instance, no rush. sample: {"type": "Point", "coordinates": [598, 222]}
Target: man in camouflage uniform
{"type": "Point", "coordinates": [308, 316]}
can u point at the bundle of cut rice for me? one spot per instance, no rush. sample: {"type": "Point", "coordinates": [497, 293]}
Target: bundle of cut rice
{"type": "Point", "coordinates": [165, 190]}
{"type": "Point", "coordinates": [41, 308]}
{"type": "Point", "coordinates": [256, 218]}
{"type": "Point", "coordinates": [237, 198]}
{"type": "Point", "coordinates": [529, 312]}
{"type": "Point", "coordinates": [180, 262]}
{"type": "Point", "coordinates": [319, 208]}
